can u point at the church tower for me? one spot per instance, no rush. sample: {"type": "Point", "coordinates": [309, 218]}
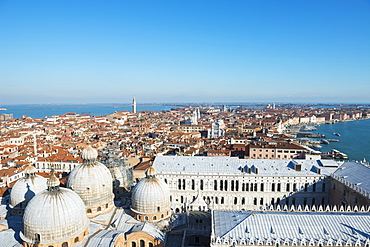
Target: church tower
{"type": "Point", "coordinates": [134, 105]}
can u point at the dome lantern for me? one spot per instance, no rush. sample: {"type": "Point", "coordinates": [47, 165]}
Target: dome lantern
{"type": "Point", "coordinates": [53, 183]}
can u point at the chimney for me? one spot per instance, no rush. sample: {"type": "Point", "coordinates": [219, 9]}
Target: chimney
{"type": "Point", "coordinates": [298, 167]}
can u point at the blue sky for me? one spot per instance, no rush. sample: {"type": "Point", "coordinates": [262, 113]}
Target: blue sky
{"type": "Point", "coordinates": [184, 51]}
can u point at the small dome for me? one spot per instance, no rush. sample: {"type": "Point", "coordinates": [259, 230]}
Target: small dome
{"type": "Point", "coordinates": [89, 153]}
{"type": "Point", "coordinates": [53, 216]}
{"type": "Point", "coordinates": [150, 172]}
{"type": "Point", "coordinates": [26, 188]}
{"type": "Point", "coordinates": [53, 181]}
{"type": "Point", "coordinates": [30, 171]}
{"type": "Point", "coordinates": [150, 195]}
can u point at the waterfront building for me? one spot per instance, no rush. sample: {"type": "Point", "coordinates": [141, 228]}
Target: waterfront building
{"type": "Point", "coordinates": [5, 117]}
{"type": "Point", "coordinates": [350, 185]}
{"type": "Point", "coordinates": [264, 228]}
{"type": "Point", "coordinates": [230, 183]}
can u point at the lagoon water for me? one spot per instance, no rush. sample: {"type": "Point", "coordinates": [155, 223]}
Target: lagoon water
{"type": "Point", "coordinates": [42, 111]}
{"type": "Point", "coordinates": [354, 139]}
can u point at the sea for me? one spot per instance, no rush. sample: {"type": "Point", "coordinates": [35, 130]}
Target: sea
{"type": "Point", "coordinates": [354, 139]}
{"type": "Point", "coordinates": [42, 111]}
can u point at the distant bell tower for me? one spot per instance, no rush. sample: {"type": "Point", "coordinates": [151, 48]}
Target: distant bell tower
{"type": "Point", "coordinates": [134, 105]}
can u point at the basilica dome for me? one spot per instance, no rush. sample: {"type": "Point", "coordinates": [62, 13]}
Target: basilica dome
{"type": "Point", "coordinates": [26, 188]}
{"type": "Point", "coordinates": [92, 181]}
{"type": "Point", "coordinates": [54, 217]}
{"type": "Point", "coordinates": [150, 200]}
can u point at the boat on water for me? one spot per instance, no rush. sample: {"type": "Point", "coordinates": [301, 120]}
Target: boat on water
{"type": "Point", "coordinates": [308, 128]}
{"type": "Point", "coordinates": [3, 109]}
{"type": "Point", "coordinates": [332, 140]}
{"type": "Point", "coordinates": [337, 134]}
{"type": "Point", "coordinates": [323, 141]}
{"type": "Point", "coordinates": [338, 155]}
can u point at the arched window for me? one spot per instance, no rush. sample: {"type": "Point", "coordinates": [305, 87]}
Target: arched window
{"type": "Point", "coordinates": [154, 217]}
{"type": "Point", "coordinates": [88, 211]}
{"type": "Point", "coordinates": [76, 239]}
{"type": "Point", "coordinates": [215, 185]}
{"type": "Point", "coordinates": [65, 244]}
{"type": "Point", "coordinates": [99, 209]}
{"type": "Point", "coordinates": [201, 184]}
{"type": "Point", "coordinates": [142, 243]}
{"type": "Point", "coordinates": [151, 245]}
{"type": "Point", "coordinates": [37, 238]}
{"type": "Point", "coordinates": [106, 205]}
{"type": "Point", "coordinates": [133, 244]}
{"type": "Point", "coordinates": [146, 218]}
{"type": "Point", "coordinates": [162, 215]}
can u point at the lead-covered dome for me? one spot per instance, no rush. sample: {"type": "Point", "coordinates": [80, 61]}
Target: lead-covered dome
{"type": "Point", "coordinates": [56, 215]}
{"type": "Point", "coordinates": [150, 200]}
{"type": "Point", "coordinates": [26, 188]}
{"type": "Point", "coordinates": [92, 181]}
